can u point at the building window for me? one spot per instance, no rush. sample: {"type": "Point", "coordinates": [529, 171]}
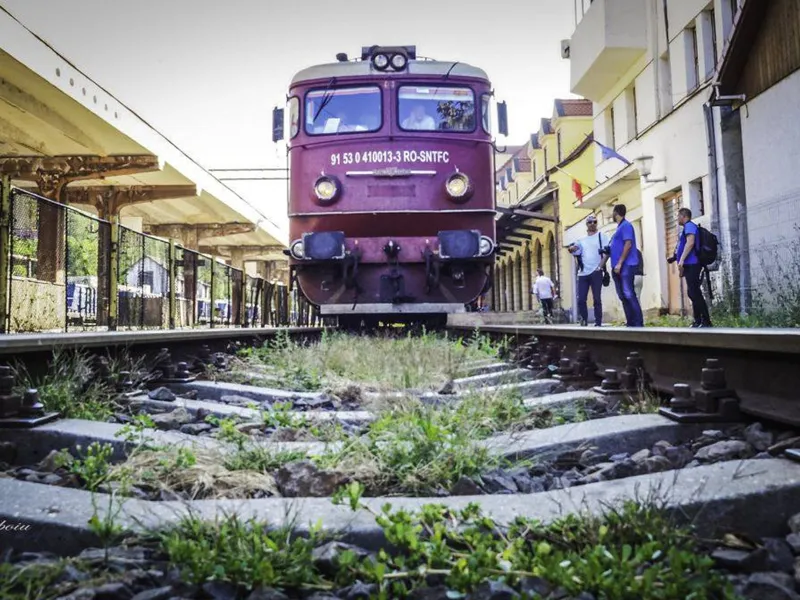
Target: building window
{"type": "Point", "coordinates": [545, 159]}
{"type": "Point", "coordinates": [610, 127]}
{"type": "Point", "coordinates": [697, 202]}
{"type": "Point", "coordinates": [692, 60]}
{"type": "Point", "coordinates": [533, 165]}
{"type": "Point", "coordinates": [665, 76]}
{"type": "Point", "coordinates": [631, 112]}
{"type": "Point", "coordinates": [712, 17]}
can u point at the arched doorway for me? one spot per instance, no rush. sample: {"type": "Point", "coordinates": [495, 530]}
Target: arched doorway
{"type": "Point", "coordinates": [528, 268]}
{"type": "Point", "coordinates": [551, 256]}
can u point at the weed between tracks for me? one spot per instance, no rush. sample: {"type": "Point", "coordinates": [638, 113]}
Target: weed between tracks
{"type": "Point", "coordinates": [385, 362]}
{"type": "Point", "coordinates": [70, 387]}
{"type": "Point", "coordinates": [633, 552]}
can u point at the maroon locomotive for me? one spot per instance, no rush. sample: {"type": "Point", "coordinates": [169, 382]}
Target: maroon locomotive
{"type": "Point", "coordinates": [391, 186]}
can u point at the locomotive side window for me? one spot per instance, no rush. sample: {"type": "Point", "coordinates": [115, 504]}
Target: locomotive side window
{"type": "Point", "coordinates": [428, 108]}
{"type": "Point", "coordinates": [486, 113]}
{"type": "Point", "coordinates": [294, 116]}
{"type": "Point", "coordinates": [343, 110]}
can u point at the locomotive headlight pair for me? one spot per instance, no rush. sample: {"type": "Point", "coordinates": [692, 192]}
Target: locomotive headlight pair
{"type": "Point", "coordinates": [458, 186]}
{"type": "Point", "coordinates": [327, 189]}
{"type": "Point", "coordinates": [382, 61]}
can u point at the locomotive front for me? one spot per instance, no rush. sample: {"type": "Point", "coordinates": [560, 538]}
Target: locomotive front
{"type": "Point", "coordinates": [391, 191]}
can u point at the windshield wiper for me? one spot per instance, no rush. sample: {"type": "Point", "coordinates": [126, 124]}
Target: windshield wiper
{"type": "Point", "coordinates": [327, 96]}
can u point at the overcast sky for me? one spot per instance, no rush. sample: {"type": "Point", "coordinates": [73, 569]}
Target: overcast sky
{"type": "Point", "coordinates": [207, 74]}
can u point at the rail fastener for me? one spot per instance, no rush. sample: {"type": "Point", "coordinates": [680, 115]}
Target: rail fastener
{"type": "Point", "coordinates": [20, 410]}
{"type": "Point", "coordinates": [713, 402]}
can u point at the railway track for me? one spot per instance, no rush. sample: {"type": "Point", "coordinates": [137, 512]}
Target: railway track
{"type": "Point", "coordinates": [531, 435]}
{"type": "Point", "coordinates": [760, 365]}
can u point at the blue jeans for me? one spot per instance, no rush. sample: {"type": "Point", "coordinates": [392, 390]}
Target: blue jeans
{"type": "Point", "coordinates": [627, 295]}
{"type": "Point", "coordinates": [595, 282]}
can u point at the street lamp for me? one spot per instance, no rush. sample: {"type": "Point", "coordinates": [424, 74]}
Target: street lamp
{"type": "Point", "coordinates": [644, 164]}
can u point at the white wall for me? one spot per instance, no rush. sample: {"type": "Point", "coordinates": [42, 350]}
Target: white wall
{"type": "Point", "coordinates": [771, 144]}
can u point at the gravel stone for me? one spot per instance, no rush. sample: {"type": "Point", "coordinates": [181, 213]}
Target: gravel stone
{"type": "Point", "coordinates": [793, 539]}
{"type": "Point", "coordinates": [493, 590]}
{"type": "Point", "coordinates": [173, 420]}
{"type": "Point", "coordinates": [161, 593]}
{"type": "Point", "coordinates": [757, 437]}
{"type": "Point", "coordinates": [780, 555]}
{"type": "Point", "coordinates": [498, 482]}
{"type": "Point", "coordinates": [794, 523]}
{"type": "Point", "coordinates": [303, 478]}
{"type": "Point", "coordinates": [592, 457]}
{"type": "Point", "coordinates": [725, 450]}
{"type": "Point", "coordinates": [162, 393]}
{"type": "Point", "coordinates": [770, 586]}
{"type": "Point", "coordinates": [465, 486]}
{"type": "Point", "coordinates": [195, 428]}
{"type": "Point", "coordinates": [267, 594]}
{"type": "Point", "coordinates": [221, 590]}
{"type": "Point", "coordinates": [113, 591]}
{"type": "Point", "coordinates": [325, 556]}
{"type": "Point", "coordinates": [741, 560]}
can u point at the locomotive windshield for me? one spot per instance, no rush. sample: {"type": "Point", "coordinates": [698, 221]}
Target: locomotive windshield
{"type": "Point", "coordinates": [343, 110]}
{"type": "Point", "coordinates": [427, 108]}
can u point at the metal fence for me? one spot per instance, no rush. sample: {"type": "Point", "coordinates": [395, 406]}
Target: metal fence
{"type": "Point", "coordinates": [62, 269]}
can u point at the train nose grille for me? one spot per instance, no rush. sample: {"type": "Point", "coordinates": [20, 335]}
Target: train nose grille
{"type": "Point", "coordinates": [391, 191]}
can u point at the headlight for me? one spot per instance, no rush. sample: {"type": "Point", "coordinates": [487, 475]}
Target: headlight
{"type": "Point", "coordinates": [297, 250]}
{"type": "Point", "coordinates": [486, 246]}
{"type": "Point", "coordinates": [457, 186]}
{"type": "Point", "coordinates": [380, 61]}
{"type": "Point", "coordinates": [399, 62]}
{"type": "Point", "coordinates": [326, 188]}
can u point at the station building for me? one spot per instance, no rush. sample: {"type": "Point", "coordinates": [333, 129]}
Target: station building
{"type": "Point", "coordinates": [538, 187]}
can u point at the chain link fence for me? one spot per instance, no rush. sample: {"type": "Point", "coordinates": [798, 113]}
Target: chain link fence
{"type": "Point", "coordinates": [58, 277]}
{"type": "Point", "coordinates": [58, 267]}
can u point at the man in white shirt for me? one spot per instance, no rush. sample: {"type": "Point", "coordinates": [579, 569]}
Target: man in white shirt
{"type": "Point", "coordinates": [591, 264]}
{"type": "Point", "coordinates": [544, 290]}
{"type": "Point", "coordinates": [419, 119]}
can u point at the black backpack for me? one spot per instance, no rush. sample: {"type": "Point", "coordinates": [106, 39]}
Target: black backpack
{"type": "Point", "coordinates": [707, 246]}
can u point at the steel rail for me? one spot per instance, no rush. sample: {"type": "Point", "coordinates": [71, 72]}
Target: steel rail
{"type": "Point", "coordinates": [761, 365]}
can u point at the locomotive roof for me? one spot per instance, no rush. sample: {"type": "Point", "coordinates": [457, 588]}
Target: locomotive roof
{"type": "Point", "coordinates": [363, 67]}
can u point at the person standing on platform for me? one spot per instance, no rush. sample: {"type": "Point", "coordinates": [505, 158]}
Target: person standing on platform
{"type": "Point", "coordinates": [544, 290]}
{"type": "Point", "coordinates": [625, 259]}
{"type": "Point", "coordinates": [689, 267]}
{"type": "Point", "coordinates": [591, 270]}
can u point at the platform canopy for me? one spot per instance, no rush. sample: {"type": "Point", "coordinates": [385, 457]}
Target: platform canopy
{"type": "Point", "coordinates": [53, 114]}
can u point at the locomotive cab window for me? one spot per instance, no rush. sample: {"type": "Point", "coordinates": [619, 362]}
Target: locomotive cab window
{"type": "Point", "coordinates": [429, 108]}
{"type": "Point", "coordinates": [486, 113]}
{"type": "Point", "coordinates": [343, 110]}
{"type": "Point", "coordinates": [294, 116]}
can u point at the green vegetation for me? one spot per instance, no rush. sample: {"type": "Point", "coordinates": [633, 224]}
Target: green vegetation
{"type": "Point", "coordinates": [70, 387]}
{"type": "Point", "coordinates": [632, 553]}
{"type": "Point", "coordinates": [388, 362]}
{"type": "Point", "coordinates": [775, 300]}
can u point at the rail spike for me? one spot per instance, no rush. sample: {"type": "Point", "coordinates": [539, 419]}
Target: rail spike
{"type": "Point", "coordinates": [20, 411]}
{"type": "Point", "coordinates": [169, 373]}
{"type": "Point", "coordinates": [713, 402]}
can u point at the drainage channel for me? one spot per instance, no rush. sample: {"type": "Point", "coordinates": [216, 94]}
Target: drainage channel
{"type": "Point", "coordinates": [520, 444]}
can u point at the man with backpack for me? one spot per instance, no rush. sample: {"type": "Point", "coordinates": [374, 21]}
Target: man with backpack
{"type": "Point", "coordinates": [589, 252]}
{"type": "Point", "coordinates": [693, 255]}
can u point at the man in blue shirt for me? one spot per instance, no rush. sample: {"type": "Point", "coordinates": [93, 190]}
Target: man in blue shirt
{"type": "Point", "coordinates": [624, 260]}
{"type": "Point", "coordinates": [690, 269]}
{"type": "Point", "coordinates": [590, 270]}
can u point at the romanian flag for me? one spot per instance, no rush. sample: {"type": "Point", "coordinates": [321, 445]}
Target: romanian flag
{"type": "Point", "coordinates": [578, 189]}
